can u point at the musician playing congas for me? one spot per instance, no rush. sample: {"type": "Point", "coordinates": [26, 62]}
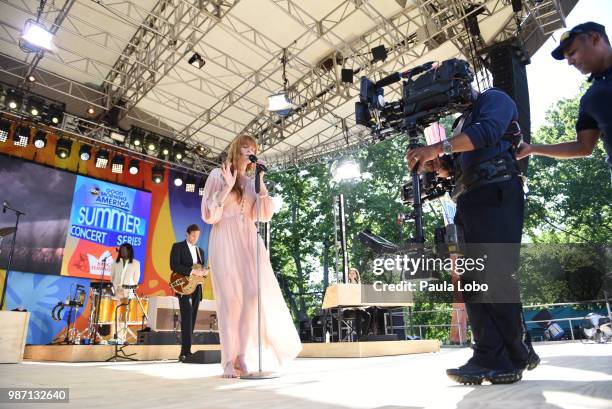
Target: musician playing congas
{"type": "Point", "coordinates": [184, 257]}
{"type": "Point", "coordinates": [125, 271]}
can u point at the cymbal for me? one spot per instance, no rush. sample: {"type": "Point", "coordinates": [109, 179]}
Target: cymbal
{"type": "Point", "coordinates": [5, 231]}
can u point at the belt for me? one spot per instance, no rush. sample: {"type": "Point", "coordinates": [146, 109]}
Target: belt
{"type": "Point", "coordinates": [498, 169]}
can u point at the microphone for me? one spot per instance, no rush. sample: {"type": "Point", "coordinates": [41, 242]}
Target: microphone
{"type": "Point", "coordinates": [261, 166]}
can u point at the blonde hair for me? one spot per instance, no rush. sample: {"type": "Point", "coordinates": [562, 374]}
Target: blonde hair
{"type": "Point", "coordinates": [356, 275]}
{"type": "Point", "coordinates": [233, 157]}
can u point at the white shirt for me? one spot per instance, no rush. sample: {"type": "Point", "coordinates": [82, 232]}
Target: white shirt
{"type": "Point", "coordinates": [193, 250]}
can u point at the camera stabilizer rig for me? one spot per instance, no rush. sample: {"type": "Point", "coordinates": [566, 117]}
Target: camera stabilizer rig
{"type": "Point", "coordinates": [429, 92]}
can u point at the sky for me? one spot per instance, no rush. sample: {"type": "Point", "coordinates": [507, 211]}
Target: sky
{"type": "Point", "coordinates": [549, 79]}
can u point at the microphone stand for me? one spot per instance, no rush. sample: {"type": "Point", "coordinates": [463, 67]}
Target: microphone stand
{"type": "Point", "coordinates": [18, 213]}
{"type": "Point", "coordinates": [259, 374]}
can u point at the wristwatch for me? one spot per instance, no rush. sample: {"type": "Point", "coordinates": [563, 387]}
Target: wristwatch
{"type": "Point", "coordinates": [447, 147]}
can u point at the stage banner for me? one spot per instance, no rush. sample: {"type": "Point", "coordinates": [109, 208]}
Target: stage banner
{"type": "Point", "coordinates": [103, 216]}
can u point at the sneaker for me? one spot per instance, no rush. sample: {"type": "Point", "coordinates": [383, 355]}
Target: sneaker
{"type": "Point", "coordinates": [472, 374]}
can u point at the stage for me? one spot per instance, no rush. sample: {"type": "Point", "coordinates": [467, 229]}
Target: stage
{"type": "Point", "coordinates": [572, 375]}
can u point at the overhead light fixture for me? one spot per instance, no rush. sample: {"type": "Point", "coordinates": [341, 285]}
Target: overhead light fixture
{"type": "Point", "coordinates": [118, 137]}
{"type": "Point", "coordinates": [346, 170]}
{"type": "Point", "coordinates": [102, 159]}
{"type": "Point", "coordinates": [179, 151]}
{"type": "Point", "coordinates": [85, 152]}
{"type": "Point", "coordinates": [179, 180]}
{"type": "Point", "coordinates": [118, 163]}
{"type": "Point", "coordinates": [379, 53]}
{"type": "Point", "coordinates": [53, 115]}
{"type": "Point", "coordinates": [202, 150]}
{"type": "Point", "coordinates": [36, 37]}
{"type": "Point", "coordinates": [91, 110]}
{"type": "Point", "coordinates": [197, 61]}
{"type": "Point", "coordinates": [137, 137]}
{"type": "Point", "coordinates": [157, 174]}
{"type": "Point", "coordinates": [151, 143]}
{"type": "Point", "coordinates": [63, 147]}
{"type": "Point", "coordinates": [279, 103]}
{"type": "Point", "coordinates": [165, 147]}
{"type": "Point", "coordinates": [40, 139]}
{"type": "Point", "coordinates": [201, 185]}
{"type": "Point", "coordinates": [35, 106]}
{"type": "Point", "coordinates": [31, 78]}
{"type": "Point", "coordinates": [14, 99]}
{"type": "Point", "coordinates": [134, 167]}
{"type": "Point", "coordinates": [190, 184]}
{"type": "Point", "coordinates": [5, 128]}
{"type": "Point", "coordinates": [22, 136]}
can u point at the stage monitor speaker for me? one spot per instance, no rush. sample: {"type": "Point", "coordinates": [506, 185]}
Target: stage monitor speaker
{"type": "Point", "coordinates": [372, 337]}
{"type": "Point", "coordinates": [204, 357]}
{"type": "Point", "coordinates": [172, 338]}
{"type": "Point", "coordinates": [507, 64]}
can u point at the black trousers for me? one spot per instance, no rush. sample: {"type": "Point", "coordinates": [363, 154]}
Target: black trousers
{"type": "Point", "coordinates": [493, 213]}
{"type": "Point", "coordinates": [189, 311]}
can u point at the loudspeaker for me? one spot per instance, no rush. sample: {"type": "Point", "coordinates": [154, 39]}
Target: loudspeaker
{"type": "Point", "coordinates": [204, 357]}
{"type": "Point", "coordinates": [171, 338]}
{"type": "Point", "coordinates": [507, 61]}
{"type": "Point", "coordinates": [347, 75]}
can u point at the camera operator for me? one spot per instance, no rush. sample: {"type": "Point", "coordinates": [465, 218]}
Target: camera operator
{"type": "Point", "coordinates": [490, 205]}
{"type": "Point", "coordinates": [587, 48]}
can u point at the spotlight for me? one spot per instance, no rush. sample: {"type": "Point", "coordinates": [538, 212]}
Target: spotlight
{"type": "Point", "coordinates": [346, 170]}
{"type": "Point", "coordinates": [22, 136]}
{"type": "Point", "coordinates": [5, 127]}
{"type": "Point", "coordinates": [118, 163]}
{"type": "Point", "coordinates": [134, 167]}
{"type": "Point", "coordinates": [379, 53]}
{"type": "Point", "coordinates": [40, 140]}
{"type": "Point", "coordinates": [102, 159]}
{"type": "Point", "coordinates": [197, 61]}
{"type": "Point", "coordinates": [280, 104]}
{"type": "Point", "coordinates": [202, 150]}
{"type": "Point", "coordinates": [201, 185]}
{"type": "Point", "coordinates": [63, 148]}
{"type": "Point", "coordinates": [118, 137]}
{"type": "Point", "coordinates": [31, 78]}
{"type": "Point", "coordinates": [137, 137]}
{"type": "Point", "coordinates": [157, 174]}
{"type": "Point", "coordinates": [178, 180]}
{"type": "Point", "coordinates": [179, 151]}
{"type": "Point", "coordinates": [36, 37]}
{"type": "Point", "coordinates": [85, 152]}
{"type": "Point", "coordinates": [91, 110]}
{"type": "Point", "coordinates": [151, 143]}
{"type": "Point", "coordinates": [53, 114]}
{"type": "Point", "coordinates": [35, 106]}
{"type": "Point", "coordinates": [190, 184]}
{"type": "Point", "coordinates": [165, 147]}
{"type": "Point", "coordinates": [14, 99]}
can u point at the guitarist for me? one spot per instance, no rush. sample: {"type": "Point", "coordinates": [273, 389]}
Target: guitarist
{"type": "Point", "coordinates": [183, 256]}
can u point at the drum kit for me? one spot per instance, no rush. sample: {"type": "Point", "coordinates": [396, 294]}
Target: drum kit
{"type": "Point", "coordinates": [107, 312]}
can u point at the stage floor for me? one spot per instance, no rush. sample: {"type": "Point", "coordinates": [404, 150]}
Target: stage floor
{"type": "Point", "coordinates": [572, 375]}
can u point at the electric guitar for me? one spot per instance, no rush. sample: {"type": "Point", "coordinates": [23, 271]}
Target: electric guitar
{"type": "Point", "coordinates": [186, 285]}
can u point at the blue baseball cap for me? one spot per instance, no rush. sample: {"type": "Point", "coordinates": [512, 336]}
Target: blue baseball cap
{"type": "Point", "coordinates": [568, 37]}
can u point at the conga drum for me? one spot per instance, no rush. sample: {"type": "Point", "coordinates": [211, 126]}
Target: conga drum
{"type": "Point", "coordinates": [107, 309]}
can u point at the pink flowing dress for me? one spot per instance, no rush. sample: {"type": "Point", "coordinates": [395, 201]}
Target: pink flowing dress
{"type": "Point", "coordinates": [232, 258]}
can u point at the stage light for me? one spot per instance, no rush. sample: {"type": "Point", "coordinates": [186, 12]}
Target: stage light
{"type": "Point", "coordinates": [5, 127]}
{"type": "Point", "coordinates": [137, 137]}
{"type": "Point", "coordinates": [91, 110]}
{"type": "Point", "coordinates": [134, 167]}
{"type": "Point", "coordinates": [190, 184]}
{"type": "Point", "coordinates": [197, 61]}
{"type": "Point", "coordinates": [53, 114]}
{"type": "Point", "coordinates": [157, 174]}
{"type": "Point", "coordinates": [35, 106]}
{"type": "Point", "coordinates": [40, 140]}
{"type": "Point", "coordinates": [118, 163]}
{"type": "Point", "coordinates": [85, 152]}
{"type": "Point", "coordinates": [14, 99]}
{"type": "Point", "coordinates": [280, 104]}
{"type": "Point", "coordinates": [118, 137]}
{"type": "Point", "coordinates": [379, 53]}
{"type": "Point", "coordinates": [22, 136]}
{"type": "Point", "coordinates": [346, 170]}
{"type": "Point", "coordinates": [31, 78]}
{"type": "Point", "coordinates": [102, 159]}
{"type": "Point", "coordinates": [165, 147]}
{"type": "Point", "coordinates": [36, 37]}
{"type": "Point", "coordinates": [179, 180]}
{"type": "Point", "coordinates": [202, 150]}
{"type": "Point", "coordinates": [201, 185]}
{"type": "Point", "coordinates": [63, 148]}
{"type": "Point", "coordinates": [179, 151]}
{"type": "Point", "coordinates": [152, 143]}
